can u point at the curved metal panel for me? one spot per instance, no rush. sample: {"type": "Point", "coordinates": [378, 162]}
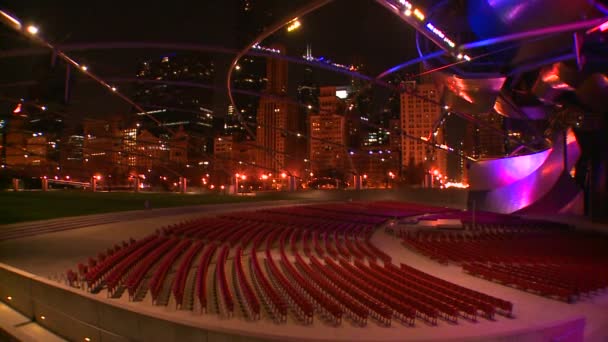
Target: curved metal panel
{"type": "Point", "coordinates": [526, 188]}
{"type": "Point", "coordinates": [479, 94]}
{"type": "Point", "coordinates": [507, 108]}
{"type": "Point", "coordinates": [496, 173]}
{"type": "Point", "coordinates": [494, 17]}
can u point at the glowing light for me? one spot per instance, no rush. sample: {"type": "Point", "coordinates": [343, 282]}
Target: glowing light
{"type": "Point", "coordinates": [435, 172]}
{"type": "Point", "coordinates": [42, 318]}
{"type": "Point", "coordinates": [283, 175]}
{"type": "Point", "coordinates": [342, 94]}
{"type": "Point", "coordinates": [84, 68]}
{"type": "Point", "coordinates": [9, 298]}
{"type": "Point", "coordinates": [408, 12]}
{"type": "Point", "coordinates": [222, 187]}
{"type": "Point", "coordinates": [13, 20]}
{"type": "Point", "coordinates": [257, 46]}
{"type": "Point", "coordinates": [238, 67]}
{"type": "Point", "coordinates": [243, 177]}
{"type": "Point", "coordinates": [435, 30]}
{"type": "Point", "coordinates": [43, 108]}
{"type": "Point", "coordinates": [466, 58]}
{"type": "Point", "coordinates": [294, 25]}
{"type": "Point", "coordinates": [87, 339]}
{"type": "Point", "coordinates": [17, 109]}
{"type": "Point", "coordinates": [460, 56]}
{"type": "Point", "coordinates": [113, 88]}
{"type": "Point", "coordinates": [456, 185]}
{"type": "Point", "coordinates": [32, 29]}
{"type": "Point", "coordinates": [264, 177]}
{"type": "Point", "coordinates": [407, 4]}
{"type": "Point", "coordinates": [418, 14]}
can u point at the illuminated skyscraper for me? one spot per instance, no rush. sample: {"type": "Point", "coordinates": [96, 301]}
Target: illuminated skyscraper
{"type": "Point", "coordinates": [418, 117]}
{"type": "Point", "coordinates": [276, 120]}
{"type": "Point", "coordinates": [328, 133]}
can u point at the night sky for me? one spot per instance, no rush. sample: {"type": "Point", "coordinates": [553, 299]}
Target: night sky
{"type": "Point", "coordinates": [345, 30]}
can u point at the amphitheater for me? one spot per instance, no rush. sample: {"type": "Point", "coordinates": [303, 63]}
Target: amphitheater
{"type": "Point", "coordinates": [349, 271]}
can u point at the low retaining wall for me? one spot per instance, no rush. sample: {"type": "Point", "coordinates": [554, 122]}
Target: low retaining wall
{"type": "Point", "coordinates": [76, 315]}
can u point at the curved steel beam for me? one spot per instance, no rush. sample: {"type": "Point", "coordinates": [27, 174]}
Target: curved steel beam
{"type": "Point", "coordinates": [396, 68]}
{"type": "Point", "coordinates": [570, 27]}
{"type": "Point", "coordinates": [300, 12]}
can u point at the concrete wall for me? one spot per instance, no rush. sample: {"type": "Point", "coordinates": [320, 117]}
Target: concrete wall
{"type": "Point", "coordinates": [453, 197]}
{"type": "Point", "coordinates": [76, 315]}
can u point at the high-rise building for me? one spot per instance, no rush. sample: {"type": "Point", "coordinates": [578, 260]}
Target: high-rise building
{"type": "Point", "coordinates": [151, 151]}
{"type": "Point", "coordinates": [277, 121]}
{"type": "Point", "coordinates": [102, 144]}
{"type": "Point", "coordinates": [328, 134]}
{"type": "Point", "coordinates": [485, 140]}
{"type": "Point", "coordinates": [491, 141]}
{"type": "Point", "coordinates": [231, 157]}
{"type": "Point", "coordinates": [178, 147]}
{"type": "Point", "coordinates": [419, 114]}
{"type": "Point", "coordinates": [276, 74]}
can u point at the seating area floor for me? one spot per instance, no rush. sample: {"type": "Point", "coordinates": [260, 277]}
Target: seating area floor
{"type": "Point", "coordinates": [51, 254]}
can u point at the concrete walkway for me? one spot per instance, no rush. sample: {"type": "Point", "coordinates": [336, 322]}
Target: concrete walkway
{"type": "Point", "coordinates": [22, 328]}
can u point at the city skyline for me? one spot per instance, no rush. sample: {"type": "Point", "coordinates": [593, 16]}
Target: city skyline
{"type": "Point", "coordinates": [178, 79]}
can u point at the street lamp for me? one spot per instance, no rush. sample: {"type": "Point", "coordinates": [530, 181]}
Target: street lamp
{"type": "Point", "coordinates": [31, 29]}
{"type": "Point", "coordinates": [294, 25]}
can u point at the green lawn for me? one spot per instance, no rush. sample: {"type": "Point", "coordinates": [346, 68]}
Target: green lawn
{"type": "Point", "coordinates": [37, 205]}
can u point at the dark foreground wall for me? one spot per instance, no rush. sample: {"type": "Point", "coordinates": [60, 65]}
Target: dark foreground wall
{"type": "Point", "coordinates": [76, 315]}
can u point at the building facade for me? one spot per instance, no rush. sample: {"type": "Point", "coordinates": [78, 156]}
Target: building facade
{"type": "Point", "coordinates": [328, 136]}
{"type": "Point", "coordinates": [420, 113]}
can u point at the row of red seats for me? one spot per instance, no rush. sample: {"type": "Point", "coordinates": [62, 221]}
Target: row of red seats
{"type": "Point", "coordinates": [522, 283]}
{"type": "Point", "coordinates": [201, 275]}
{"type": "Point", "coordinates": [135, 277]}
{"type": "Point", "coordinates": [356, 301]}
{"type": "Point", "coordinates": [582, 277]}
{"type": "Point", "coordinates": [156, 283]}
{"type": "Point", "coordinates": [96, 274]}
{"type": "Point", "coordinates": [301, 306]}
{"type": "Point", "coordinates": [486, 306]}
{"type": "Point", "coordinates": [179, 284]}
{"type": "Point", "coordinates": [225, 298]}
{"type": "Point", "coordinates": [249, 300]}
{"type": "Point", "coordinates": [448, 300]}
{"type": "Point", "coordinates": [505, 306]}
{"type": "Point", "coordinates": [402, 310]}
{"type": "Point", "coordinates": [420, 299]}
{"type": "Point", "coordinates": [315, 294]}
{"type": "Point", "coordinates": [274, 303]}
{"type": "Point", "coordinates": [115, 277]}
